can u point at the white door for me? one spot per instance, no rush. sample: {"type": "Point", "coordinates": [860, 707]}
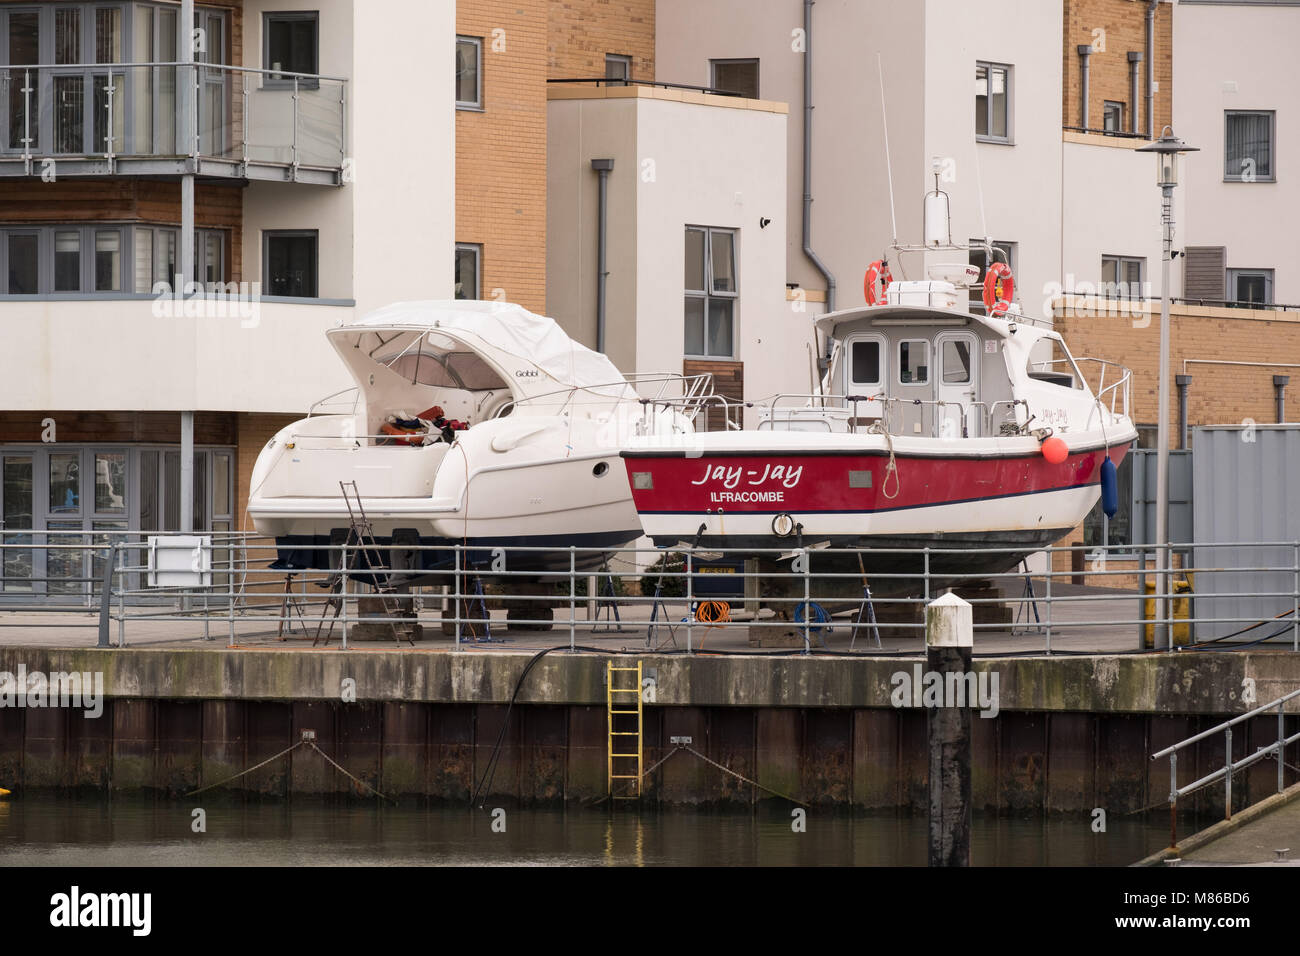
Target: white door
{"type": "Point", "coordinates": [956, 384]}
{"type": "Point", "coordinates": [865, 375]}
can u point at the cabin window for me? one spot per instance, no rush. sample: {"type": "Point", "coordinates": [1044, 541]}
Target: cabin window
{"type": "Point", "coordinates": [956, 362]}
{"type": "Point", "coordinates": [866, 363]}
{"type": "Point", "coordinates": [913, 362]}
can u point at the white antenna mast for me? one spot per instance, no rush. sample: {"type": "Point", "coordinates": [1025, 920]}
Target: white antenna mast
{"type": "Point", "coordinates": [979, 188]}
{"type": "Point", "coordinates": [889, 171]}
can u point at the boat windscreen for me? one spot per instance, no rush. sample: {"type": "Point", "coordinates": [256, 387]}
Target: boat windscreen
{"type": "Point", "coordinates": [426, 366]}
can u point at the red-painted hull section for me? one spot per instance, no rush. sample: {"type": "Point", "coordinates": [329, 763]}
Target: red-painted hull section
{"type": "Point", "coordinates": [804, 482]}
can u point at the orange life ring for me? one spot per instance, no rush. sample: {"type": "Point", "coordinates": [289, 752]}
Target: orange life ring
{"type": "Point", "coordinates": [877, 276]}
{"type": "Point", "coordinates": [999, 286]}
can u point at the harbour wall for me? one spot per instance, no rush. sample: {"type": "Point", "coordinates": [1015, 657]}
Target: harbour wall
{"type": "Point", "coordinates": [1071, 733]}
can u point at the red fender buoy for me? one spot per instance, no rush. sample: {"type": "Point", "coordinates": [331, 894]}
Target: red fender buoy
{"type": "Point", "coordinates": [1055, 450]}
{"type": "Point", "coordinates": [999, 286]}
{"type": "Point", "coordinates": [876, 282]}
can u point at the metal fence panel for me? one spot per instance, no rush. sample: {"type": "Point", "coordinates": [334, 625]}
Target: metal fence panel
{"type": "Point", "coordinates": [1246, 490]}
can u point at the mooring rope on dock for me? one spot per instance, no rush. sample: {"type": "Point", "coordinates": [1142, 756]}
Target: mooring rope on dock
{"type": "Point", "coordinates": [282, 753]}
{"type": "Point", "coordinates": [738, 776]}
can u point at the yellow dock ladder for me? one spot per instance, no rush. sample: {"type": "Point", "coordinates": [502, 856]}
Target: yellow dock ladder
{"type": "Point", "coordinates": [623, 706]}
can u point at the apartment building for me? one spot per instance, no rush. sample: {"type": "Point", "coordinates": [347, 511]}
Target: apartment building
{"type": "Point", "coordinates": [666, 216]}
{"type": "Point", "coordinates": [289, 157]}
{"type": "Point", "coordinates": [975, 87]}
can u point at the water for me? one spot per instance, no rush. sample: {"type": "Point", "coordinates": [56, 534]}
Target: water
{"type": "Point", "coordinates": [47, 830]}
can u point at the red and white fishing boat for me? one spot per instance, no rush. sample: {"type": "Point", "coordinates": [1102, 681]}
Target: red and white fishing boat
{"type": "Point", "coordinates": [933, 426]}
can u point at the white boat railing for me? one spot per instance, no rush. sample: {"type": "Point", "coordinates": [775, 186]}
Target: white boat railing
{"type": "Point", "coordinates": [834, 407]}
{"type": "Point", "coordinates": [345, 407]}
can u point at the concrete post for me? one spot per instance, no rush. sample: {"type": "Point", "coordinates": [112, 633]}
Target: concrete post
{"type": "Point", "coordinates": [949, 630]}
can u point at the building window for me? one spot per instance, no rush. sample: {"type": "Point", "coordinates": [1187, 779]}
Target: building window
{"type": "Point", "coordinates": [1002, 252]}
{"type": "Point", "coordinates": [1248, 145]}
{"type": "Point", "coordinates": [291, 42]}
{"type": "Point", "coordinates": [1121, 277]}
{"type": "Point", "coordinates": [468, 259]}
{"type": "Point", "coordinates": [618, 67]}
{"type": "Point", "coordinates": [81, 259]}
{"type": "Point", "coordinates": [993, 102]}
{"type": "Point", "coordinates": [289, 262]}
{"type": "Point", "coordinates": [1248, 287]}
{"type": "Point", "coordinates": [735, 76]}
{"type": "Point", "coordinates": [1112, 117]}
{"type": "Point", "coordinates": [711, 292]}
{"type": "Point", "coordinates": [469, 73]}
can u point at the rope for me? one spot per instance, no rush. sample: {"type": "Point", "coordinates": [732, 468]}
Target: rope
{"type": "Point", "coordinates": [738, 776]}
{"type": "Point", "coordinates": [891, 469]}
{"type": "Point", "coordinates": [249, 770]}
{"type": "Point", "coordinates": [282, 753]}
{"type": "Point", "coordinates": [356, 780]}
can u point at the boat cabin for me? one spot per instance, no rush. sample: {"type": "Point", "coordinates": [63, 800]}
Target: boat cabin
{"type": "Point", "coordinates": [936, 371]}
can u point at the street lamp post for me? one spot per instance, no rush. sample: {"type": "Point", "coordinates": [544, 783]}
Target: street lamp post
{"type": "Point", "coordinates": [1167, 149]}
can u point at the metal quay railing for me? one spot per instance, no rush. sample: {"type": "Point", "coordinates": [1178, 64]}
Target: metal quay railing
{"type": "Point", "coordinates": [1231, 766]}
{"type": "Point", "coordinates": [820, 595]}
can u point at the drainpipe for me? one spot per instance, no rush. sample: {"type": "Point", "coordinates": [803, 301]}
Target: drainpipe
{"type": "Point", "coordinates": [1134, 69]}
{"type": "Point", "coordinates": [807, 161]}
{"type": "Point", "coordinates": [1151, 69]}
{"type": "Point", "coordinates": [1182, 381]}
{"type": "Point", "coordinates": [602, 168]}
{"type": "Point", "coordinates": [1084, 50]}
{"type": "Point", "coordinates": [187, 97]}
{"type": "Point", "coordinates": [1280, 382]}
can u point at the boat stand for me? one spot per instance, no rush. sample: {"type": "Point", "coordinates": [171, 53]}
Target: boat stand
{"type": "Point", "coordinates": [290, 603]}
{"type": "Point", "coordinates": [478, 602]}
{"type": "Point", "coordinates": [607, 602]}
{"type": "Point", "coordinates": [1027, 604]}
{"type": "Point", "coordinates": [359, 545]}
{"type": "Point", "coordinates": [866, 616]}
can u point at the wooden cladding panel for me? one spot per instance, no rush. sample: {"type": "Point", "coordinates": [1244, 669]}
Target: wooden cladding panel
{"type": "Point", "coordinates": [210, 428]}
{"type": "Point", "coordinates": [157, 202]}
{"type": "Point", "coordinates": [728, 381]}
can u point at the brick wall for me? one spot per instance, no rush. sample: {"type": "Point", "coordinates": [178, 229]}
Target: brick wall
{"type": "Point", "coordinates": [1124, 23]}
{"type": "Point", "coordinates": [580, 32]}
{"type": "Point", "coordinates": [501, 151]}
{"type": "Point", "coordinates": [1219, 394]}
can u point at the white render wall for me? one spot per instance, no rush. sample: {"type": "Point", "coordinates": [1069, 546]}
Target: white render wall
{"type": "Point", "coordinates": [928, 52]}
{"type": "Point", "coordinates": [116, 354]}
{"type": "Point", "coordinates": [1021, 182]}
{"type": "Point", "coordinates": [850, 210]}
{"type": "Point", "coordinates": [675, 164]}
{"type": "Point", "coordinates": [1240, 56]}
{"type": "Point", "coordinates": [1113, 208]}
{"type": "Point", "coordinates": [388, 235]}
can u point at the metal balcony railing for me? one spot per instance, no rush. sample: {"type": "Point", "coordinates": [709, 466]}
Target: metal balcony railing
{"type": "Point", "coordinates": [169, 118]}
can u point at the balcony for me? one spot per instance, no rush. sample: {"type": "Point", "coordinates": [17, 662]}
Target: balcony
{"type": "Point", "coordinates": [127, 119]}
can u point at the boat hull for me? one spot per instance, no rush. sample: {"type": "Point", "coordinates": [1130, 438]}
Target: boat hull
{"type": "Point", "coordinates": [851, 497]}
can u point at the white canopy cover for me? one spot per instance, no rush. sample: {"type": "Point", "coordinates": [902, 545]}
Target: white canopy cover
{"type": "Point", "coordinates": [532, 350]}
